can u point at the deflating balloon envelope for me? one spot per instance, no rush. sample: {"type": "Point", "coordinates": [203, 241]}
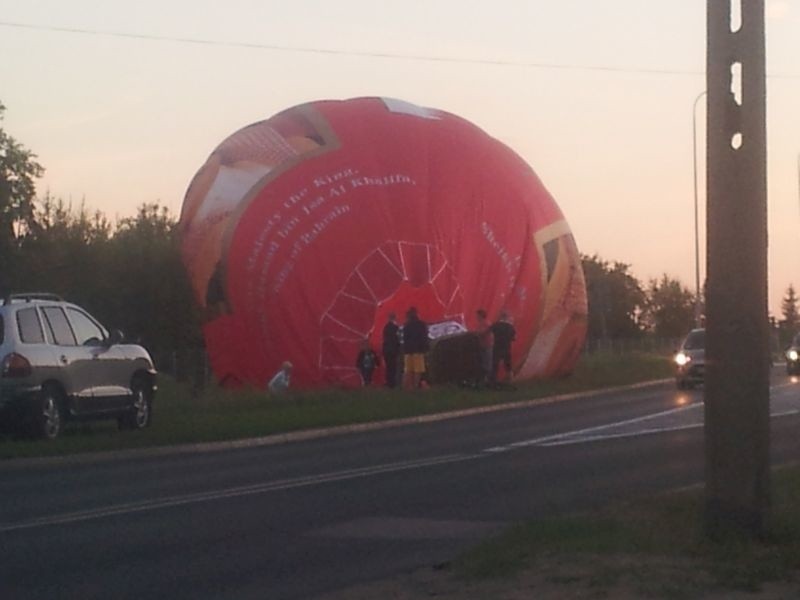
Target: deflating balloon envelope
{"type": "Point", "coordinates": [303, 232]}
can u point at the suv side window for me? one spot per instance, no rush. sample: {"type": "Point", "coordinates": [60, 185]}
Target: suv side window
{"type": "Point", "coordinates": [59, 326]}
{"type": "Point", "coordinates": [30, 329]}
{"type": "Point", "coordinates": [87, 331]}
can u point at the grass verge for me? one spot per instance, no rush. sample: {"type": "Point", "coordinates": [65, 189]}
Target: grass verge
{"type": "Point", "coordinates": [217, 415]}
{"type": "Point", "coordinates": [653, 548]}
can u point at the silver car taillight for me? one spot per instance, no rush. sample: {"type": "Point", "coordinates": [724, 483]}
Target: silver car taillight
{"type": "Point", "coordinates": [15, 366]}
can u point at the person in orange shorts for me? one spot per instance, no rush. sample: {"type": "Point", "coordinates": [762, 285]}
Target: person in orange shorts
{"type": "Point", "coordinates": [415, 345]}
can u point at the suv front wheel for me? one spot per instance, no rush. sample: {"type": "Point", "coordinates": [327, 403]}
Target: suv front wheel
{"type": "Point", "coordinates": [49, 418]}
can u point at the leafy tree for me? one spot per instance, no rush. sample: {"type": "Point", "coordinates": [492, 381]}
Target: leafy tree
{"type": "Point", "coordinates": [791, 317]}
{"type": "Point", "coordinates": [669, 312]}
{"type": "Point", "coordinates": [18, 171]}
{"type": "Point", "coordinates": [615, 299]}
{"type": "Point", "coordinates": [789, 308]}
{"type": "Point", "coordinates": [62, 250]}
{"type": "Point", "coordinates": [148, 285]}
{"type": "Point", "coordinates": [130, 277]}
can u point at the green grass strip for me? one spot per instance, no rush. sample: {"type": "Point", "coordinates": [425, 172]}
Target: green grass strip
{"type": "Point", "coordinates": [181, 417]}
{"type": "Point", "coordinates": [656, 546]}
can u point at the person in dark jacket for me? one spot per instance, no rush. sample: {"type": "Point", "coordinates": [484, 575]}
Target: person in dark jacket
{"type": "Point", "coordinates": [504, 335]}
{"type": "Point", "coordinates": [391, 349]}
{"type": "Point", "coordinates": [366, 363]}
{"type": "Point", "coordinates": [415, 345]}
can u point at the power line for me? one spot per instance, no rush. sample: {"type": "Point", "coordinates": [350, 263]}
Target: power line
{"type": "Point", "coordinates": [367, 54]}
{"type": "Point", "coordinates": [353, 53]}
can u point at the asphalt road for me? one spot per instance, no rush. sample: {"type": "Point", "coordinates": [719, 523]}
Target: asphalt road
{"type": "Point", "coordinates": [299, 519]}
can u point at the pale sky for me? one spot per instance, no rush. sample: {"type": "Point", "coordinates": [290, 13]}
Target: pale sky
{"type": "Point", "coordinates": [120, 121]}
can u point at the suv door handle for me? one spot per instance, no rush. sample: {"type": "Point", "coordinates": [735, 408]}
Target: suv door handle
{"type": "Point", "coordinates": [64, 359]}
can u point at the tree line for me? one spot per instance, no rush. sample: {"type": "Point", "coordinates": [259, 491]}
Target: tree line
{"type": "Point", "coordinates": [129, 273]}
{"type": "Point", "coordinates": [621, 307]}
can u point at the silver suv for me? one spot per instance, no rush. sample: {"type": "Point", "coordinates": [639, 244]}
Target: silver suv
{"type": "Point", "coordinates": [57, 363]}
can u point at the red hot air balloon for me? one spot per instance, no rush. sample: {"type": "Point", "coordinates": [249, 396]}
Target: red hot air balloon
{"type": "Point", "coordinates": [302, 233]}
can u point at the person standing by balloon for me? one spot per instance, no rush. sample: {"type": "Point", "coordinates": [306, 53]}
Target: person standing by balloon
{"type": "Point", "coordinates": [391, 349]}
{"type": "Point", "coordinates": [504, 333]}
{"type": "Point", "coordinates": [415, 345]}
{"type": "Point", "coordinates": [366, 363]}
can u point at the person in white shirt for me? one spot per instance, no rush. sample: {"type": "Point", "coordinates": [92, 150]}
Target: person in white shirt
{"type": "Point", "coordinates": [281, 380]}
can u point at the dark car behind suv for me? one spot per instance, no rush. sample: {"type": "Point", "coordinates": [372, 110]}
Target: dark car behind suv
{"type": "Point", "coordinates": [57, 363]}
{"type": "Point", "coordinates": [690, 360]}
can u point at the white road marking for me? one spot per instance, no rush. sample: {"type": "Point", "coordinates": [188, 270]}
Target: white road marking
{"type": "Point", "coordinates": [590, 434]}
{"type": "Point", "coordinates": [551, 438]}
{"type": "Point", "coordinates": [233, 492]}
{"type": "Point", "coordinates": [614, 436]}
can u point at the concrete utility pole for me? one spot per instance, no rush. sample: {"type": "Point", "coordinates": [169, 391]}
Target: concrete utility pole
{"type": "Point", "coordinates": [737, 332]}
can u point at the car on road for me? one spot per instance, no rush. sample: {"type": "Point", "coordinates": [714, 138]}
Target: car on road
{"type": "Point", "coordinates": [793, 357]}
{"type": "Point", "coordinates": [690, 360]}
{"type": "Point", "coordinates": [58, 364]}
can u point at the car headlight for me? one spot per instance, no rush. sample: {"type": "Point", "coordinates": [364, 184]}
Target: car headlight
{"type": "Point", "coordinates": [682, 359]}
{"type": "Point", "coordinates": [792, 355]}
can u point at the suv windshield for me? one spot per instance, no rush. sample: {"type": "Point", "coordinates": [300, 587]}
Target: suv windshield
{"type": "Point", "coordinates": [696, 340]}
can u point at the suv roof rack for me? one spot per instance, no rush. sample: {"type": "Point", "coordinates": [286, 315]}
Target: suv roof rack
{"type": "Point", "coordinates": [28, 296]}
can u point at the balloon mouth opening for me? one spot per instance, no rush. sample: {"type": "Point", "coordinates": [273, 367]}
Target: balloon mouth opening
{"type": "Point", "coordinates": [391, 279]}
{"type": "Point", "coordinates": [424, 298]}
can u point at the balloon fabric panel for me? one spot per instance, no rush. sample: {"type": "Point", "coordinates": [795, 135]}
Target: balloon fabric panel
{"type": "Point", "coordinates": [303, 232]}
